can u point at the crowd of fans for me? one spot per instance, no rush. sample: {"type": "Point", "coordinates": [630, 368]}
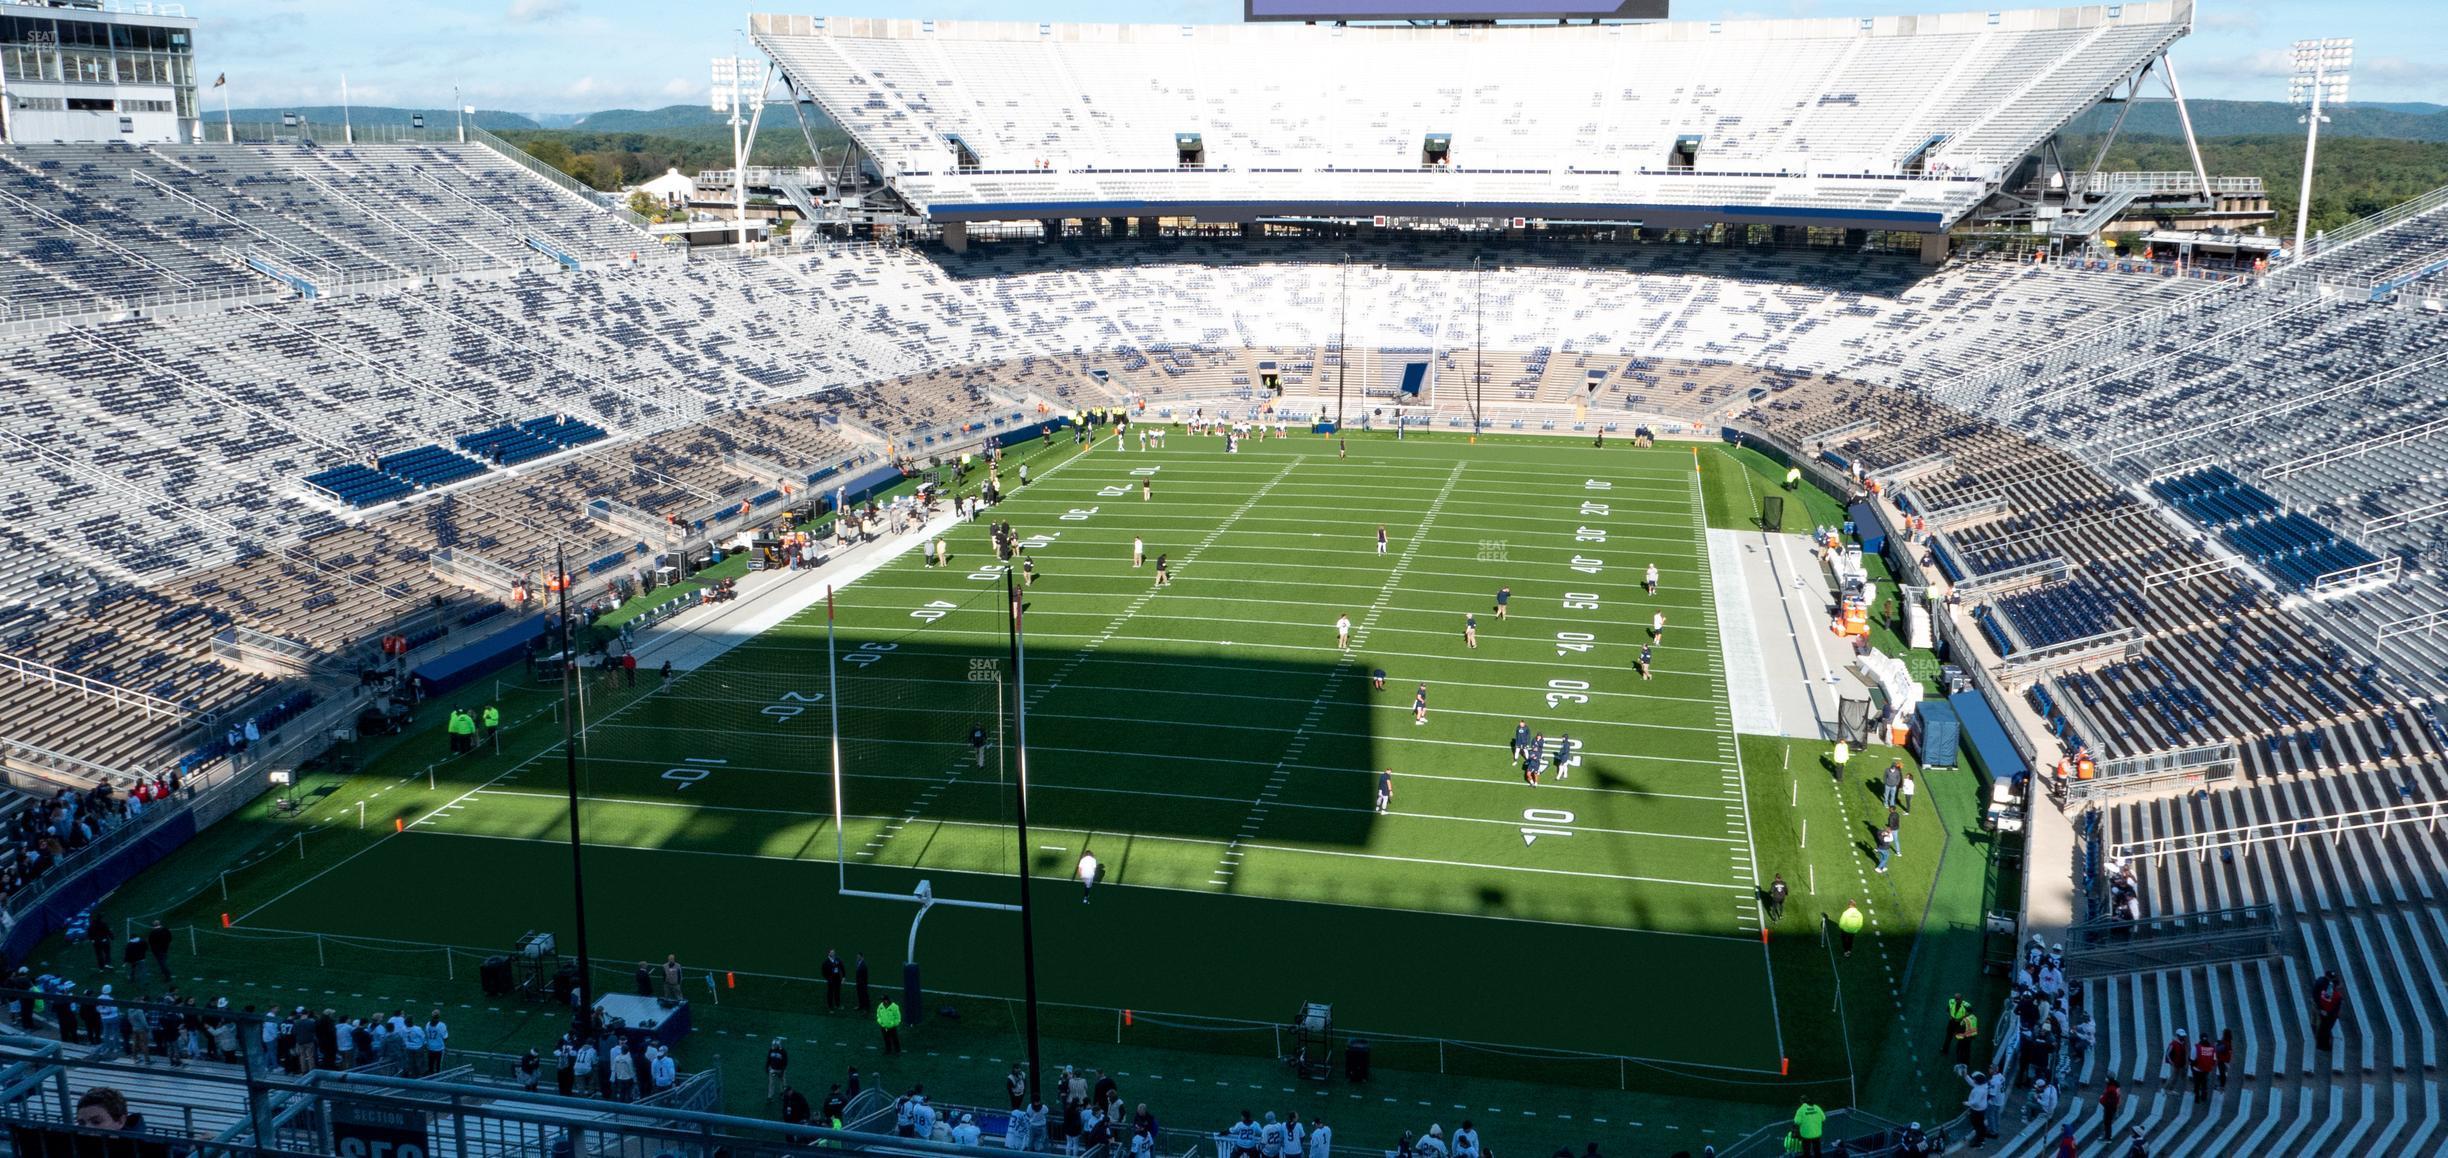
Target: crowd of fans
{"type": "Point", "coordinates": [50, 831]}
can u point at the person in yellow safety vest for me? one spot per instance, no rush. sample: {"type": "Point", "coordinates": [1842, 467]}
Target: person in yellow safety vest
{"type": "Point", "coordinates": [1810, 1124]}
{"type": "Point", "coordinates": [1793, 477]}
{"type": "Point", "coordinates": [1848, 925]}
{"type": "Point", "coordinates": [1957, 1010]}
{"type": "Point", "coordinates": [888, 1019]}
{"type": "Point", "coordinates": [1793, 1143]}
{"type": "Point", "coordinates": [462, 731]}
{"type": "Point", "coordinates": [492, 720]}
{"type": "Point", "coordinates": [1842, 753]}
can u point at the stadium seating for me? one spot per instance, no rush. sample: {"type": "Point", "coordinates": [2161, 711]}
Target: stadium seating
{"type": "Point", "coordinates": [1866, 123]}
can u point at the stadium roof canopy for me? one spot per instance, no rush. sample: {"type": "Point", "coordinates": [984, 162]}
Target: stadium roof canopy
{"type": "Point", "coordinates": [1892, 122]}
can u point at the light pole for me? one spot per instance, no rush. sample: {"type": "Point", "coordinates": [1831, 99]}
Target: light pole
{"type": "Point", "coordinates": [732, 89]}
{"type": "Point", "coordinates": [2320, 76]}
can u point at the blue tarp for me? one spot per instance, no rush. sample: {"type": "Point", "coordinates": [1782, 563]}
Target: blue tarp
{"type": "Point", "coordinates": [1937, 735]}
{"type": "Point", "coordinates": [462, 667]}
{"type": "Point", "coordinates": [1865, 524]}
{"type": "Point", "coordinates": [1987, 737]}
{"type": "Point", "coordinates": [1415, 375]}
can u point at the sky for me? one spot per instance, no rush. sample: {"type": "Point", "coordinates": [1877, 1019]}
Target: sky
{"type": "Point", "coordinates": [569, 56]}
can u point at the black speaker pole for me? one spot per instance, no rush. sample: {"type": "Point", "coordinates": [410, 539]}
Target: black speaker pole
{"type": "Point", "coordinates": [1028, 921]}
{"type": "Point", "coordinates": [1478, 349]}
{"type": "Point", "coordinates": [569, 752]}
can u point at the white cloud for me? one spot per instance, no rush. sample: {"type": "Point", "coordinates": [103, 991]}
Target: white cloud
{"type": "Point", "coordinates": [680, 88]}
{"type": "Point", "coordinates": [582, 88]}
{"type": "Point", "coordinates": [529, 11]}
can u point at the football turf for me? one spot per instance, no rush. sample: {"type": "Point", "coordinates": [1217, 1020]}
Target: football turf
{"type": "Point", "coordinates": [1212, 746]}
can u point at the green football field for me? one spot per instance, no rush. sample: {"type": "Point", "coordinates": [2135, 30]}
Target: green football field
{"type": "Point", "coordinates": [1207, 741]}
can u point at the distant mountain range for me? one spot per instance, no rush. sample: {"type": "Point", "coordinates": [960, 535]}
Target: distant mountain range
{"type": "Point", "coordinates": [2157, 118]}
{"type": "Point", "coordinates": [608, 121]}
{"type": "Point", "coordinates": [2410, 120]}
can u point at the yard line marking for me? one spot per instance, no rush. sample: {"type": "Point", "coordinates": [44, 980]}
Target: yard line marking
{"type": "Point", "coordinates": [1141, 600]}
{"type": "Point", "coordinates": [1343, 665]}
{"type": "Point", "coordinates": [677, 679]}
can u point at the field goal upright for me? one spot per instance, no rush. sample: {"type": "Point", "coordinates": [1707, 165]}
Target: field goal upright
{"type": "Point", "coordinates": [865, 688]}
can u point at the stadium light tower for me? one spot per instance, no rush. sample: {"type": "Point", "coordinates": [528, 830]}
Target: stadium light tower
{"type": "Point", "coordinates": [733, 91]}
{"type": "Point", "coordinates": [2321, 73]}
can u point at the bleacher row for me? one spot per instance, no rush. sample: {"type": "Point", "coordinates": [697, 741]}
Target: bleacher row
{"type": "Point", "coordinates": [2214, 658]}
{"type": "Point", "coordinates": [406, 472]}
{"type": "Point", "coordinates": [1880, 116]}
{"type": "Point", "coordinates": [2370, 903]}
{"type": "Point", "coordinates": [2325, 401]}
{"type": "Point", "coordinates": [97, 227]}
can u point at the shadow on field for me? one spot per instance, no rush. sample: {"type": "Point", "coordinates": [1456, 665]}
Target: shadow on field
{"type": "Point", "coordinates": [1173, 743]}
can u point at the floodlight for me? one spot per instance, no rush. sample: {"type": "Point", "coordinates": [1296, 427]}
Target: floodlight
{"type": "Point", "coordinates": [2324, 65]}
{"type": "Point", "coordinates": [729, 73]}
{"type": "Point", "coordinates": [2321, 73]}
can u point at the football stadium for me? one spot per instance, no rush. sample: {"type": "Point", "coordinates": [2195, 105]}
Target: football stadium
{"type": "Point", "coordinates": [1376, 579]}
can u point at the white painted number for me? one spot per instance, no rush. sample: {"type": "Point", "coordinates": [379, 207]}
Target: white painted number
{"type": "Point", "coordinates": [1599, 509]}
{"type": "Point", "coordinates": [687, 776]}
{"type": "Point", "coordinates": [1588, 566]}
{"type": "Point", "coordinates": [1112, 492]}
{"type": "Point", "coordinates": [1544, 816]}
{"type": "Point", "coordinates": [1580, 601]}
{"type": "Point", "coordinates": [1567, 692]}
{"type": "Point", "coordinates": [1595, 485]}
{"type": "Point", "coordinates": [1589, 535]}
{"type": "Point", "coordinates": [1145, 471]}
{"type": "Point", "coordinates": [934, 610]}
{"type": "Point", "coordinates": [1076, 514]}
{"type": "Point", "coordinates": [869, 653]}
{"type": "Point", "coordinates": [988, 572]}
{"type": "Point", "coordinates": [1574, 641]}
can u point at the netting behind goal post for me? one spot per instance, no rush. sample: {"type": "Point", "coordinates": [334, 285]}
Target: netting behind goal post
{"type": "Point", "coordinates": [904, 712]}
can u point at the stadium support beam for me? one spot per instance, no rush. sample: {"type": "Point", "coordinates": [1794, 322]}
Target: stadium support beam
{"type": "Point", "coordinates": [956, 236]}
{"type": "Point", "coordinates": [2099, 156]}
{"type": "Point", "coordinates": [2184, 117]}
{"type": "Point", "coordinates": [1933, 248]}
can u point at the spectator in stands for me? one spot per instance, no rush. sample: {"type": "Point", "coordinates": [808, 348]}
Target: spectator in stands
{"type": "Point", "coordinates": [104, 1108]}
{"type": "Point", "coordinates": [1979, 1098]}
{"type": "Point", "coordinates": [2328, 1002]}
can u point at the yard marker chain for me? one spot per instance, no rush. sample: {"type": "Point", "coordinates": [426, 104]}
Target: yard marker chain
{"type": "Point", "coordinates": [1230, 862]}
{"type": "Point", "coordinates": [1089, 648]}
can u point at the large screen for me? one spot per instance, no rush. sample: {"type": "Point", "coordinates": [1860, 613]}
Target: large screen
{"type": "Point", "coordinates": [1324, 10]}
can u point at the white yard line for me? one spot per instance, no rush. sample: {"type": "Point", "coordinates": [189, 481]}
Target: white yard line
{"type": "Point", "coordinates": [1230, 862]}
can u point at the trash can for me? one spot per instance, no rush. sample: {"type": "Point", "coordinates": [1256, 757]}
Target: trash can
{"type": "Point", "coordinates": [496, 976]}
{"type": "Point", "coordinates": [1356, 1060]}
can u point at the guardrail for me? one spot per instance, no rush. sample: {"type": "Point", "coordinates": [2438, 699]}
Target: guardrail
{"type": "Point", "coordinates": [2150, 771]}
{"type": "Point", "coordinates": [2100, 948]}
